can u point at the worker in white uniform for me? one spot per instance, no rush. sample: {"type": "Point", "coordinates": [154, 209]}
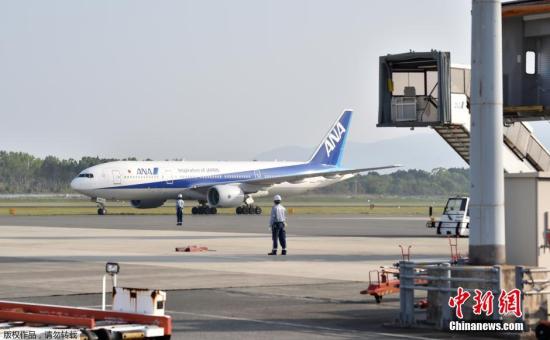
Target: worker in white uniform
{"type": "Point", "coordinates": [179, 209]}
{"type": "Point", "coordinates": [277, 223]}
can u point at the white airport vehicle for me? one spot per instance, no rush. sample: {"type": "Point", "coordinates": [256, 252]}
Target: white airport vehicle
{"type": "Point", "coordinates": [137, 313]}
{"type": "Point", "coordinates": [455, 220]}
{"type": "Point", "coordinates": [148, 184]}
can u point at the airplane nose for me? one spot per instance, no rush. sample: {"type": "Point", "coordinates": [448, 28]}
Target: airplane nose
{"type": "Point", "coordinates": [75, 184]}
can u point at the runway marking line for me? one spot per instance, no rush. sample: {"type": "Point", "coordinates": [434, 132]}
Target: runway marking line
{"type": "Point", "coordinates": [297, 325]}
{"type": "Point", "coordinates": [291, 324]}
{"type": "Point", "coordinates": [412, 218]}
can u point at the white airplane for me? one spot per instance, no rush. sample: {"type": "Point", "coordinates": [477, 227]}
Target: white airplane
{"type": "Point", "coordinates": [148, 184]}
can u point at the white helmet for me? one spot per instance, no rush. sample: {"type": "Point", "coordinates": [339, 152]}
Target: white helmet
{"type": "Point", "coordinates": [180, 196]}
{"type": "Point", "coordinates": [277, 198]}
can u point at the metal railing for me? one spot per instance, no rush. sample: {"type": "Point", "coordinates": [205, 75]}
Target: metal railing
{"type": "Point", "coordinates": [537, 286]}
{"type": "Point", "coordinates": [414, 276]}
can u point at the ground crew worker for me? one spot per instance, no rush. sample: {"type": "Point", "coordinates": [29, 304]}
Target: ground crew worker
{"type": "Point", "coordinates": [277, 223]}
{"type": "Point", "coordinates": [179, 209]}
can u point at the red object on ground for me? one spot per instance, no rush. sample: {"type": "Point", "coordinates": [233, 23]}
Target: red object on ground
{"type": "Point", "coordinates": [382, 286]}
{"type": "Point", "coordinates": [192, 248]}
{"type": "Point", "coordinates": [422, 304]}
{"type": "Point", "coordinates": [74, 316]}
{"type": "Point", "coordinates": [455, 255]}
{"type": "Point", "coordinates": [405, 256]}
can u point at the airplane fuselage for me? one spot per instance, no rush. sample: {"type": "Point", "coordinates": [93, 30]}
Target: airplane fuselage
{"type": "Point", "coordinates": [148, 184]}
{"type": "Point", "coordinates": [163, 180]}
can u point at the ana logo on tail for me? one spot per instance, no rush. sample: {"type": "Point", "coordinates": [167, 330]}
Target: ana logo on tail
{"type": "Point", "coordinates": [334, 136]}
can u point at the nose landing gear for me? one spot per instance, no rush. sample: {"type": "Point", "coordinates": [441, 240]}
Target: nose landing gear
{"type": "Point", "coordinates": [101, 210]}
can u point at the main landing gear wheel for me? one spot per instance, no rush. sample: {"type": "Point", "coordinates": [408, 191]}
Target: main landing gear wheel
{"type": "Point", "coordinates": [248, 210]}
{"type": "Point", "coordinates": [102, 211]}
{"type": "Point", "coordinates": [204, 210]}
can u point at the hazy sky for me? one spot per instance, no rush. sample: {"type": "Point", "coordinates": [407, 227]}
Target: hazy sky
{"type": "Point", "coordinates": [204, 79]}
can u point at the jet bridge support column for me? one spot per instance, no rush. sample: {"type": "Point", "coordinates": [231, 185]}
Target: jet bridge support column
{"type": "Point", "coordinates": [486, 154]}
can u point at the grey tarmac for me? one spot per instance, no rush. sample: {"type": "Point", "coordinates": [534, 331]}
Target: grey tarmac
{"type": "Point", "coordinates": [232, 291]}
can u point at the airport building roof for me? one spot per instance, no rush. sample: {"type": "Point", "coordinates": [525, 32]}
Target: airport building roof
{"type": "Point", "coordinates": [525, 7]}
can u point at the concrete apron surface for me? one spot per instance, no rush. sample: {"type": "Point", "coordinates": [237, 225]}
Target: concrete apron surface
{"type": "Point", "coordinates": [43, 261]}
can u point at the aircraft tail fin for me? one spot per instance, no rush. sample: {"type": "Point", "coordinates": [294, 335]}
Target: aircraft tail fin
{"type": "Point", "coordinates": [331, 149]}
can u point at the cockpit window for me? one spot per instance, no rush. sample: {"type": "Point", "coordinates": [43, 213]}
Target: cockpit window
{"type": "Point", "coordinates": [455, 206]}
{"type": "Point", "coordinates": [86, 175]}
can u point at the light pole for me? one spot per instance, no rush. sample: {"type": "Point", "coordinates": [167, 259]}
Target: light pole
{"type": "Point", "coordinates": [111, 269]}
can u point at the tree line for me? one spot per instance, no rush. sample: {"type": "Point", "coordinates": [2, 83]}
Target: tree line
{"type": "Point", "coordinates": [439, 181]}
{"type": "Point", "coordinates": [23, 173]}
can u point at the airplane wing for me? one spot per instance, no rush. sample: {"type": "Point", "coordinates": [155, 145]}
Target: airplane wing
{"type": "Point", "coordinates": [327, 174]}
{"type": "Point", "coordinates": [269, 181]}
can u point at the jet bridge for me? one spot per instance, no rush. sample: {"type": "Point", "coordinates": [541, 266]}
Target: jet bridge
{"type": "Point", "coordinates": [421, 89]}
{"type": "Point", "coordinates": [526, 60]}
